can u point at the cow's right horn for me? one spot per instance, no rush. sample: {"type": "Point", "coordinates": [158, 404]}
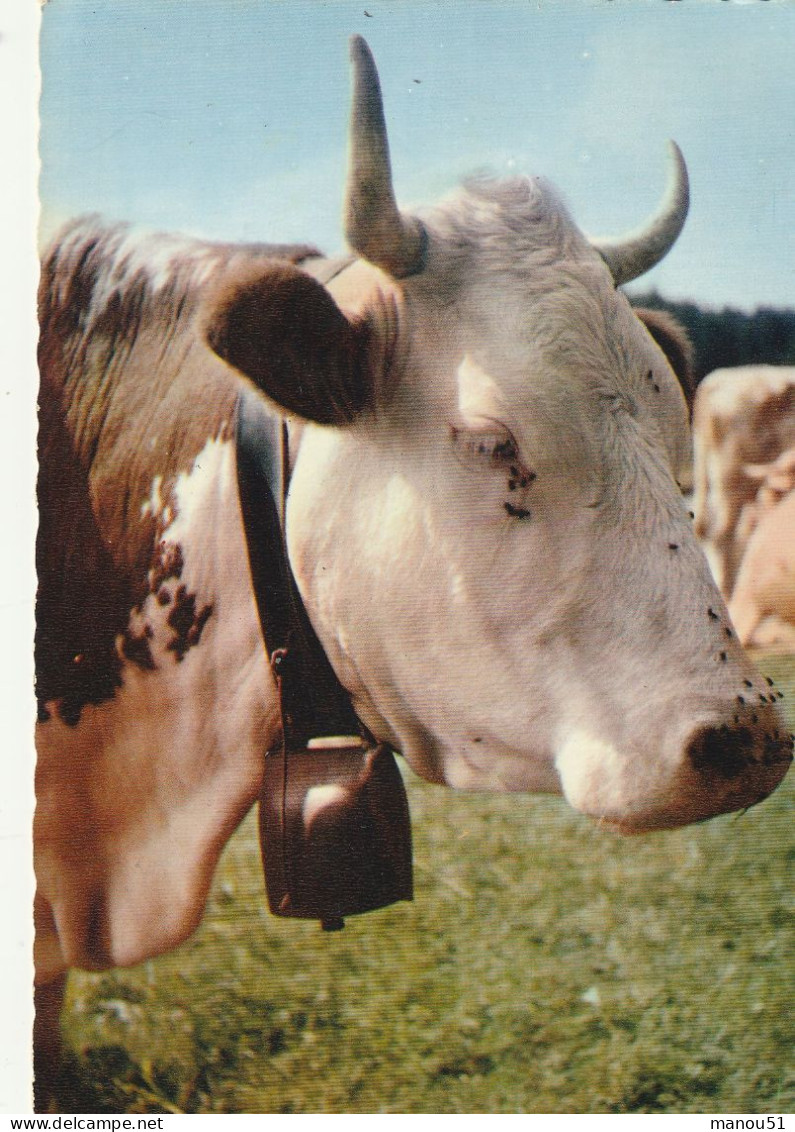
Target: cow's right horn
{"type": "Point", "coordinates": [374, 226]}
{"type": "Point", "coordinates": [637, 253]}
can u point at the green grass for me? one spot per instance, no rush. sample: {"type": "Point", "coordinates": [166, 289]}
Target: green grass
{"type": "Point", "coordinates": [544, 966]}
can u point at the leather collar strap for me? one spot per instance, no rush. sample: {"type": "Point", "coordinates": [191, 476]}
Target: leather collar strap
{"type": "Point", "coordinates": [335, 831]}
{"type": "Point", "coordinates": [314, 703]}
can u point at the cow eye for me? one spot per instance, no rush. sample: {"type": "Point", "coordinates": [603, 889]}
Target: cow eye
{"type": "Point", "coordinates": [493, 446]}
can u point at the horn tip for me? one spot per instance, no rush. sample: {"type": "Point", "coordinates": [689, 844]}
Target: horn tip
{"type": "Point", "coordinates": [677, 159]}
{"type": "Point", "coordinates": [634, 255]}
{"type": "Point", "coordinates": [359, 48]}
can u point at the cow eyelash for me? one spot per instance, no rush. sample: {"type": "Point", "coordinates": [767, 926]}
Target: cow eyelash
{"type": "Point", "coordinates": [489, 446]}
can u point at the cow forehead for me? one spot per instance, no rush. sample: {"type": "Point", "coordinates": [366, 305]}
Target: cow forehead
{"type": "Point", "coordinates": [574, 376]}
{"type": "Point", "coordinates": [566, 317]}
{"type": "Point", "coordinates": [516, 317]}
{"type": "Point", "coordinates": [508, 341]}
{"type": "Point", "coordinates": [496, 250]}
{"type": "Point", "coordinates": [507, 260]}
{"type": "Point", "coordinates": [519, 224]}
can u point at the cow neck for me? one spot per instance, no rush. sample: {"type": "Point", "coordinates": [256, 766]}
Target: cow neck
{"type": "Point", "coordinates": [314, 704]}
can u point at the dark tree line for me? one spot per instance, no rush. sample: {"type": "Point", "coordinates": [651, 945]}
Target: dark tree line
{"type": "Point", "coordinates": [730, 337]}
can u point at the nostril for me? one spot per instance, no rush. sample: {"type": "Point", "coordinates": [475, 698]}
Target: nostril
{"type": "Point", "coordinates": [725, 751]}
{"type": "Point", "coordinates": [777, 748]}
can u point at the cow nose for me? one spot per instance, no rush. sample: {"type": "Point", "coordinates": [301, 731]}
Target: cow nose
{"type": "Point", "coordinates": [727, 752]}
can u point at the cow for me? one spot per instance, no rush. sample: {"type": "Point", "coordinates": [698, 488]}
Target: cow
{"type": "Point", "coordinates": [744, 419]}
{"type": "Point", "coordinates": [763, 599]}
{"type": "Point", "coordinates": [483, 522]}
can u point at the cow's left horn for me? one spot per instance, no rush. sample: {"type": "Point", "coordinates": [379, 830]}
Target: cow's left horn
{"type": "Point", "coordinates": [637, 253]}
{"type": "Point", "coordinates": [374, 226]}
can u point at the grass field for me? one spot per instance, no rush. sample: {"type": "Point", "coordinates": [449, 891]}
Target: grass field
{"type": "Point", "coordinates": [544, 966]}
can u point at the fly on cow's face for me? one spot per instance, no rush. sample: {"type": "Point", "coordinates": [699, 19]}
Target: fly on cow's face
{"type": "Point", "coordinates": [522, 476]}
{"type": "Point", "coordinates": [491, 445]}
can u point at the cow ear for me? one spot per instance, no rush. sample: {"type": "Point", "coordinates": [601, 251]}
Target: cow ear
{"type": "Point", "coordinates": [672, 339]}
{"type": "Point", "coordinates": [283, 331]}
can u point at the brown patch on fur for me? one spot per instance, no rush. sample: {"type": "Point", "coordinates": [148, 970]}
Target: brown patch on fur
{"type": "Point", "coordinates": [129, 391]}
{"type": "Point", "coordinates": [136, 648]}
{"type": "Point", "coordinates": [186, 623]}
{"type": "Point", "coordinates": [169, 564]}
{"type": "Point", "coordinates": [83, 601]}
{"type": "Point", "coordinates": [283, 330]}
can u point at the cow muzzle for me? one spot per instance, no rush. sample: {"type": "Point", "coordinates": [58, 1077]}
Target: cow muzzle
{"type": "Point", "coordinates": [728, 753]}
{"type": "Point", "coordinates": [719, 768]}
{"type": "Point", "coordinates": [738, 766]}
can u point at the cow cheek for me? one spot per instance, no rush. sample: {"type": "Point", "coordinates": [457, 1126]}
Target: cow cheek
{"type": "Point", "coordinates": [422, 644]}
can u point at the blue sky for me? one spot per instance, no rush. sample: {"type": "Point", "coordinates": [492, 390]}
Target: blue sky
{"type": "Point", "coordinates": [227, 118]}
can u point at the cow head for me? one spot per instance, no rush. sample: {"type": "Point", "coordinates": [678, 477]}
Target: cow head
{"type": "Point", "coordinates": [484, 517]}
